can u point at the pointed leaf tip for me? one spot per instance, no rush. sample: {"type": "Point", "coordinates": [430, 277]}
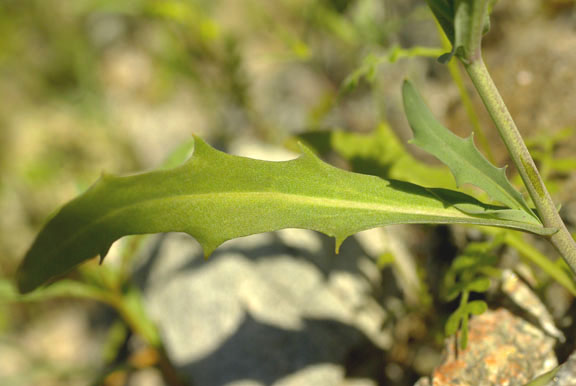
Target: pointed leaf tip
{"type": "Point", "coordinates": [104, 252]}
{"type": "Point", "coordinates": [207, 250]}
{"type": "Point", "coordinates": [338, 243]}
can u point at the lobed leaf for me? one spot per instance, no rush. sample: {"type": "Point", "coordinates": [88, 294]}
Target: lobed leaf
{"type": "Point", "coordinates": [467, 164]}
{"type": "Point", "coordinates": [216, 197]}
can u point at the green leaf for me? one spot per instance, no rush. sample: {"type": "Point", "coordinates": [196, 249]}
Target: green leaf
{"type": "Point", "coordinates": [476, 307]}
{"type": "Point", "coordinates": [459, 319]}
{"type": "Point", "coordinates": [481, 284]}
{"type": "Point", "coordinates": [472, 262]}
{"type": "Point", "coordinates": [467, 164]}
{"type": "Point", "coordinates": [453, 322]}
{"type": "Point", "coordinates": [546, 378]}
{"type": "Point", "coordinates": [217, 197]}
{"type": "Point", "coordinates": [132, 307]}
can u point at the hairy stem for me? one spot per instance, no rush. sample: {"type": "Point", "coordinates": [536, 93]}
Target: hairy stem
{"type": "Point", "coordinates": [562, 240]}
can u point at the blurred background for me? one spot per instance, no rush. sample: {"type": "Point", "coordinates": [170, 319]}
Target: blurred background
{"type": "Point", "coordinates": [93, 85]}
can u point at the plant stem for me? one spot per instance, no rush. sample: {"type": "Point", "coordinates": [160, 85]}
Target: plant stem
{"type": "Point", "coordinates": [128, 307]}
{"type": "Point", "coordinates": [562, 240]}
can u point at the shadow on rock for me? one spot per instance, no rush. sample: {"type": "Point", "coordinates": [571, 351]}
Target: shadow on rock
{"type": "Point", "coordinates": [265, 353]}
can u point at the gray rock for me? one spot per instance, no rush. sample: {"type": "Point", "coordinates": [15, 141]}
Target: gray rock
{"type": "Point", "coordinates": [566, 374]}
{"type": "Point", "coordinates": [277, 308]}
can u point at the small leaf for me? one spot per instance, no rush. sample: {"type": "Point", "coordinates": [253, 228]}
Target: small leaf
{"type": "Point", "coordinates": [467, 164]}
{"type": "Point", "coordinates": [476, 307]}
{"type": "Point", "coordinates": [469, 262]}
{"type": "Point", "coordinates": [453, 292]}
{"type": "Point", "coordinates": [481, 284]}
{"type": "Point", "coordinates": [217, 197]}
{"type": "Point", "coordinates": [453, 323]}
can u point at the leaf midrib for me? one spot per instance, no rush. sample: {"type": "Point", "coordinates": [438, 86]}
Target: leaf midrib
{"type": "Point", "coordinates": [303, 199]}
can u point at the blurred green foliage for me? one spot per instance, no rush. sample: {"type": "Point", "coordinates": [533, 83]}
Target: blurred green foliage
{"type": "Point", "coordinates": [94, 85]}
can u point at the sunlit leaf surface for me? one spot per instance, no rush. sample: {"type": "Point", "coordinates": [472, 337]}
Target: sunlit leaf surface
{"type": "Point", "coordinates": [217, 197]}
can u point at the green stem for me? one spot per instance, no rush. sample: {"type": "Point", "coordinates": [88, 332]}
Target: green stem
{"type": "Point", "coordinates": [562, 240]}
{"type": "Point", "coordinates": [129, 307]}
